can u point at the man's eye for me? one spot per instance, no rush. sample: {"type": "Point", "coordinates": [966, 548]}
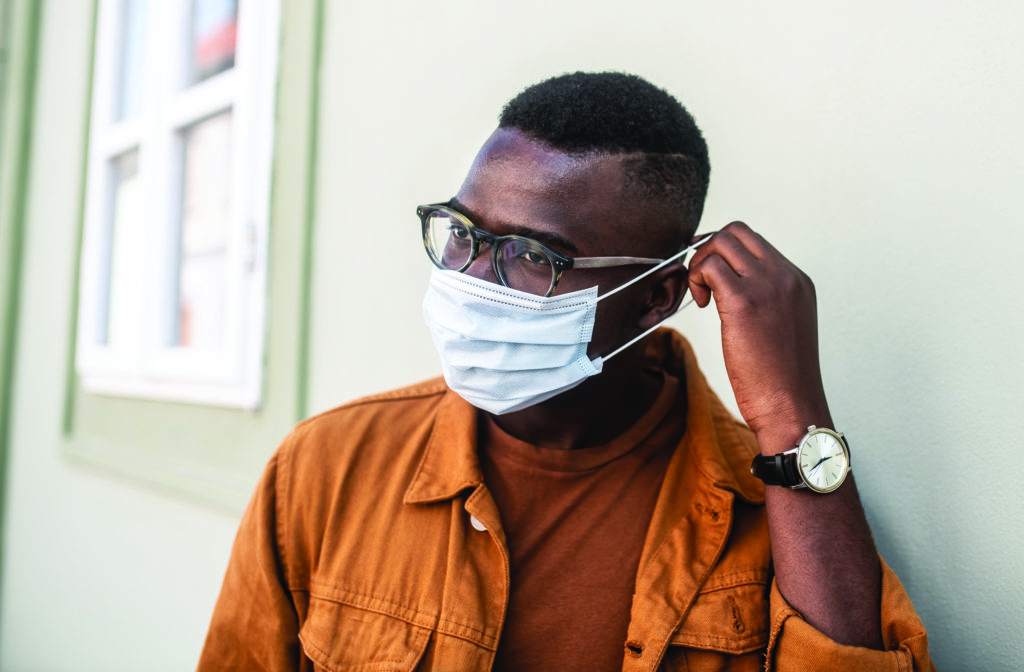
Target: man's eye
{"type": "Point", "coordinates": [534, 258]}
{"type": "Point", "coordinates": [458, 231]}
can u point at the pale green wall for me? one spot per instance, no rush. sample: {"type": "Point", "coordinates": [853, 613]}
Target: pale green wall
{"type": "Point", "coordinates": [877, 145]}
{"type": "Point", "coordinates": [110, 562]}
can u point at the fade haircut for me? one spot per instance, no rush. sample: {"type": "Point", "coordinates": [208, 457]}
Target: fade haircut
{"type": "Point", "coordinates": [665, 158]}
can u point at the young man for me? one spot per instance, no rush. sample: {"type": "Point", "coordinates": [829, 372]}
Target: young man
{"type": "Point", "coordinates": [573, 496]}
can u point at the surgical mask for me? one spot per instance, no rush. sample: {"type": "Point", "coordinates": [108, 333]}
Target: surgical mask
{"type": "Point", "coordinates": [503, 350]}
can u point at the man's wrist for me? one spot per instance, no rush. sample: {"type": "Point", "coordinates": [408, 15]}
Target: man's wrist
{"type": "Point", "coordinates": [785, 434]}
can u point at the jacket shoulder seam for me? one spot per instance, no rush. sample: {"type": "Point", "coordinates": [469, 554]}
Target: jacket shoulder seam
{"type": "Point", "coordinates": [425, 390]}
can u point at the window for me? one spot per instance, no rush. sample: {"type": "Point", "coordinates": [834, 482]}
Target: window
{"type": "Point", "coordinates": [171, 301]}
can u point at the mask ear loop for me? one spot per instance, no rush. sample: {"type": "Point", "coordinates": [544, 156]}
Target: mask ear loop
{"type": "Point", "coordinates": [686, 303]}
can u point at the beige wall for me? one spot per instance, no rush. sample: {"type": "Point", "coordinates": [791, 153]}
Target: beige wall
{"type": "Point", "coordinates": [877, 145]}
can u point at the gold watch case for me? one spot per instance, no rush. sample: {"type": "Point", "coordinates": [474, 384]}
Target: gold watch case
{"type": "Point", "coordinates": [822, 459]}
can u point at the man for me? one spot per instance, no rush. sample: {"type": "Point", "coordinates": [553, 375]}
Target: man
{"type": "Point", "coordinates": [573, 496]}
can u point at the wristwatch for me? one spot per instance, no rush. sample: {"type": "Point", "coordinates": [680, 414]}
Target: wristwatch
{"type": "Point", "coordinates": [819, 462]}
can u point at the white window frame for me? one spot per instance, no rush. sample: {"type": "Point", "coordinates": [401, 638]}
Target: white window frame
{"type": "Point", "coordinates": [145, 367]}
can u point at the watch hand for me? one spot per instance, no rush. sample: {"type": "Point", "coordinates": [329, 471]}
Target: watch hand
{"type": "Point", "coordinates": [820, 462]}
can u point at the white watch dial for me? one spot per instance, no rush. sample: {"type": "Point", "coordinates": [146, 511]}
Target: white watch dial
{"type": "Point", "coordinates": [823, 461]}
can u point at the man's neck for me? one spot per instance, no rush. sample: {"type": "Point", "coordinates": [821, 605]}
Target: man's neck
{"type": "Point", "coordinates": [589, 415]}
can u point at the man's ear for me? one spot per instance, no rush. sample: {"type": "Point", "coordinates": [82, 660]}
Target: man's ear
{"type": "Point", "coordinates": [667, 289]}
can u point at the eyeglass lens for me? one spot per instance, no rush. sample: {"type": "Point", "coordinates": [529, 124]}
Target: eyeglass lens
{"type": "Point", "coordinates": [522, 264]}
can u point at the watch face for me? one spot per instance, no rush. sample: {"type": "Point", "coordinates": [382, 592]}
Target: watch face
{"type": "Point", "coordinates": [823, 461]}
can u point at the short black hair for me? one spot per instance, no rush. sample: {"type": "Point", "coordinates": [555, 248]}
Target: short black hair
{"type": "Point", "coordinates": [619, 113]}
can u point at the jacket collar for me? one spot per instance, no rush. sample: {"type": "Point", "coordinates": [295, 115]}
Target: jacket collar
{"type": "Point", "coordinates": [720, 447]}
{"type": "Point", "coordinates": [449, 464]}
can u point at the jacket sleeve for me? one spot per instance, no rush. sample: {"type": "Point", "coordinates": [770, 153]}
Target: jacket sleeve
{"type": "Point", "coordinates": [255, 624]}
{"type": "Point", "coordinates": [796, 645]}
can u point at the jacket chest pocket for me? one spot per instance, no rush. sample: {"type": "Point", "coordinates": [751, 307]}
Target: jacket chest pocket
{"type": "Point", "coordinates": [725, 629]}
{"type": "Point", "coordinates": [338, 637]}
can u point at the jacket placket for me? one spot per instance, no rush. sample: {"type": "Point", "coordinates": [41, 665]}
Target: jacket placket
{"type": "Point", "coordinates": [688, 534]}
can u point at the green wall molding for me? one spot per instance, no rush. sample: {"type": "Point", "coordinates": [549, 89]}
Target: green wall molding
{"type": "Point", "coordinates": [313, 157]}
{"type": "Point", "coordinates": [69, 378]}
{"type": "Point", "coordinates": [20, 38]}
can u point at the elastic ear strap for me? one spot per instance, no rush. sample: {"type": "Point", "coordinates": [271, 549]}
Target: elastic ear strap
{"type": "Point", "coordinates": [657, 268]}
{"type": "Point", "coordinates": [644, 275]}
{"type": "Point", "coordinates": [620, 349]}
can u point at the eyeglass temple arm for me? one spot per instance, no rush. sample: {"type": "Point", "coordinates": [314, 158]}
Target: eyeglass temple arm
{"type": "Point", "coordinates": [597, 262]}
{"type": "Point", "coordinates": [600, 262]}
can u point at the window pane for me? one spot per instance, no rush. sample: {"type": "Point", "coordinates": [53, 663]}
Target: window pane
{"type": "Point", "coordinates": [202, 258]}
{"type": "Point", "coordinates": [131, 60]}
{"type": "Point", "coordinates": [212, 38]}
{"type": "Point", "coordinates": [120, 258]}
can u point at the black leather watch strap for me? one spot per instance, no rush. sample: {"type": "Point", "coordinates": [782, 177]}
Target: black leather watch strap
{"type": "Point", "coordinates": [780, 469]}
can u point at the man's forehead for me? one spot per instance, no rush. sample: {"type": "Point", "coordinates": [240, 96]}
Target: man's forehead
{"type": "Point", "coordinates": [511, 145]}
{"type": "Point", "coordinates": [517, 181]}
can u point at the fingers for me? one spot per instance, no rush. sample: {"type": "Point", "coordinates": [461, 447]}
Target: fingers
{"type": "Point", "coordinates": [751, 240]}
{"type": "Point", "coordinates": [727, 245]}
{"type": "Point", "coordinates": [711, 275]}
{"type": "Point", "coordinates": [734, 252]}
{"type": "Point", "coordinates": [737, 263]}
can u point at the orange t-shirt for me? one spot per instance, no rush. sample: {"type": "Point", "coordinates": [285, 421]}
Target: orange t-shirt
{"type": "Point", "coordinates": [575, 522]}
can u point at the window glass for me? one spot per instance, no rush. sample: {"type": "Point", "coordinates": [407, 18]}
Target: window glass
{"type": "Point", "coordinates": [120, 249]}
{"type": "Point", "coordinates": [212, 38]}
{"type": "Point", "coordinates": [131, 60]}
{"type": "Point", "coordinates": [203, 245]}
{"type": "Point", "coordinates": [173, 270]}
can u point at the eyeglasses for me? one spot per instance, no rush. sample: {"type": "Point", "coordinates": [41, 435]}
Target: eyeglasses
{"type": "Point", "coordinates": [453, 243]}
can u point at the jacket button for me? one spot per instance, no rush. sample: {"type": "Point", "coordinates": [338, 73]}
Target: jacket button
{"type": "Point", "coordinates": [477, 525]}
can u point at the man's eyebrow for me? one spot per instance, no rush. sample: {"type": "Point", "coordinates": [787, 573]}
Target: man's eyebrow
{"type": "Point", "coordinates": [546, 237]}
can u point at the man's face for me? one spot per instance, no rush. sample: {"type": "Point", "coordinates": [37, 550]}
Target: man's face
{"type": "Point", "coordinates": [572, 204]}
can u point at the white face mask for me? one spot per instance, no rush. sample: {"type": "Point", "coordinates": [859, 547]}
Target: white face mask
{"type": "Point", "coordinates": [504, 350]}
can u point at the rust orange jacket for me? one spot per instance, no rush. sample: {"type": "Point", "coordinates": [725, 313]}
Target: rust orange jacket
{"type": "Point", "coordinates": [360, 550]}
